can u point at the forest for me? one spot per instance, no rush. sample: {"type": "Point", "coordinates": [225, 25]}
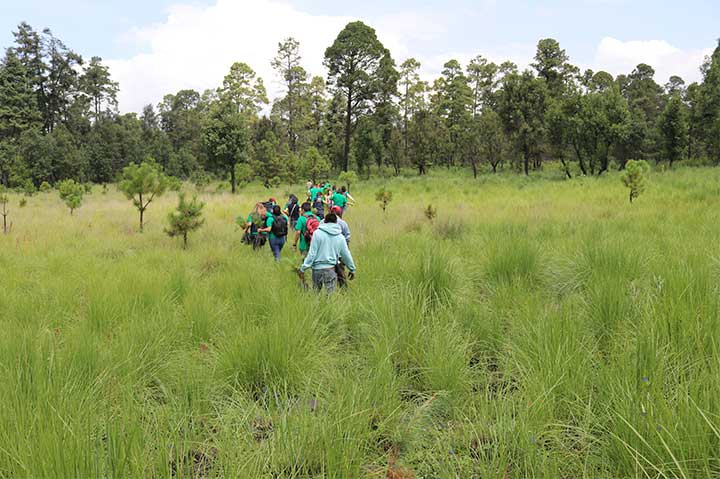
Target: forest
{"type": "Point", "coordinates": [59, 117]}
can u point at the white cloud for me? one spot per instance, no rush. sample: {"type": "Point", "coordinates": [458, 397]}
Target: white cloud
{"type": "Point", "coordinates": [195, 47]}
{"type": "Point", "coordinates": [616, 57]}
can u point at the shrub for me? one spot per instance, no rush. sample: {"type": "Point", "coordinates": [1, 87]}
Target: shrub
{"type": "Point", "coordinates": [384, 197]}
{"type": "Point", "coordinates": [3, 208]}
{"type": "Point", "coordinates": [186, 218]}
{"type": "Point", "coordinates": [71, 193]}
{"type": "Point", "coordinates": [142, 184]}
{"type": "Point", "coordinates": [45, 187]}
{"type": "Point", "coordinates": [430, 212]}
{"type": "Point", "coordinates": [634, 177]}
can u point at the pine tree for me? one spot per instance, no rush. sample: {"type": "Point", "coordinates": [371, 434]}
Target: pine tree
{"type": "Point", "coordinates": [186, 218]}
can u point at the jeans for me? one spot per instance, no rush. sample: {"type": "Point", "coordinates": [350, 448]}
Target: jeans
{"type": "Point", "coordinates": [276, 245]}
{"type": "Point", "coordinates": [326, 278]}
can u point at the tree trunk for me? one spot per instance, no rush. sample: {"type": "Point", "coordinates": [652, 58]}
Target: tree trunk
{"type": "Point", "coordinates": [232, 179]}
{"type": "Point", "coordinates": [526, 159]}
{"type": "Point", "coordinates": [474, 168]}
{"type": "Point", "coordinates": [185, 240]}
{"type": "Point", "coordinates": [4, 223]}
{"type": "Point", "coordinates": [348, 124]}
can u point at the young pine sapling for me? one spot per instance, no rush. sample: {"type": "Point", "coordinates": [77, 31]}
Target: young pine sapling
{"type": "Point", "coordinates": [348, 177]}
{"type": "Point", "coordinates": [186, 218]}
{"type": "Point", "coordinates": [3, 208]}
{"type": "Point", "coordinates": [384, 197]}
{"type": "Point", "coordinates": [71, 193]}
{"type": "Point", "coordinates": [634, 177]}
{"type": "Point", "coordinates": [430, 212]}
{"type": "Point", "coordinates": [142, 184]}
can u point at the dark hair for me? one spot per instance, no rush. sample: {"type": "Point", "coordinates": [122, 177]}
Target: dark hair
{"type": "Point", "coordinates": [306, 207]}
{"type": "Point", "coordinates": [331, 218]}
{"type": "Point", "coordinates": [293, 199]}
{"type": "Point", "coordinates": [276, 210]}
{"type": "Point", "coordinates": [343, 190]}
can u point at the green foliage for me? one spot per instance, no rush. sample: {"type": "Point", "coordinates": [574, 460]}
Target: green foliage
{"type": "Point", "coordinates": [71, 193]}
{"type": "Point", "coordinates": [635, 177]}
{"type": "Point", "coordinates": [45, 187]}
{"type": "Point", "coordinates": [4, 200]}
{"type": "Point", "coordinates": [348, 177]}
{"type": "Point", "coordinates": [142, 184]}
{"type": "Point", "coordinates": [566, 347]}
{"type": "Point", "coordinates": [430, 212]}
{"type": "Point", "coordinates": [23, 202]}
{"type": "Point", "coordinates": [186, 218]}
{"type": "Point", "coordinates": [28, 188]}
{"type": "Point", "coordinates": [384, 197]}
{"type": "Point", "coordinates": [315, 165]}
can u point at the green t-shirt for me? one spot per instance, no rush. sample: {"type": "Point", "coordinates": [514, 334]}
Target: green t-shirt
{"type": "Point", "coordinates": [339, 199]}
{"type": "Point", "coordinates": [314, 192]}
{"type": "Point", "coordinates": [301, 226]}
{"type": "Point", "coordinates": [271, 220]}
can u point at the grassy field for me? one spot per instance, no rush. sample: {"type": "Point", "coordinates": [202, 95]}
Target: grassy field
{"type": "Point", "coordinates": [536, 328]}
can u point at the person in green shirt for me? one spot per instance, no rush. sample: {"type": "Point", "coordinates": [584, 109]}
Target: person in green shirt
{"type": "Point", "coordinates": [277, 228]}
{"type": "Point", "coordinates": [301, 227]}
{"type": "Point", "coordinates": [255, 222]}
{"type": "Point", "coordinates": [314, 192]}
{"type": "Point", "coordinates": [339, 199]}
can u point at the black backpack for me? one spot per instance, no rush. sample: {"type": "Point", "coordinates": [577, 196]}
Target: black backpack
{"type": "Point", "coordinates": [279, 226]}
{"type": "Point", "coordinates": [294, 211]}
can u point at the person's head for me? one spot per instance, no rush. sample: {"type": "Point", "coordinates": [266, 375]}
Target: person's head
{"type": "Point", "coordinates": [260, 209]}
{"type": "Point", "coordinates": [343, 190]}
{"type": "Point", "coordinates": [331, 218]}
{"type": "Point", "coordinates": [306, 207]}
{"type": "Point", "coordinates": [276, 210]}
{"type": "Point", "coordinates": [272, 200]}
{"type": "Point", "coordinates": [336, 210]}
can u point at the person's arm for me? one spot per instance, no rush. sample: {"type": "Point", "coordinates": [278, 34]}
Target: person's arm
{"type": "Point", "coordinates": [347, 258]}
{"type": "Point", "coordinates": [268, 227]}
{"type": "Point", "coordinates": [310, 258]}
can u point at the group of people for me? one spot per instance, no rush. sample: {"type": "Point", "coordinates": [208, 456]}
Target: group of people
{"type": "Point", "coordinates": [320, 233]}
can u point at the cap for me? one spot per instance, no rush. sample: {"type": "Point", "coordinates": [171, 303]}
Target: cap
{"type": "Point", "coordinates": [272, 199]}
{"type": "Point", "coordinates": [336, 210]}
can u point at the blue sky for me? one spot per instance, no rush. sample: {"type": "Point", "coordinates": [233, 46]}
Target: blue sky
{"type": "Point", "coordinates": [159, 46]}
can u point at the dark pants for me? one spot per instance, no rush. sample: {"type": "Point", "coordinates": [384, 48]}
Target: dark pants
{"type": "Point", "coordinates": [276, 245]}
{"type": "Point", "coordinates": [326, 278]}
{"type": "Point", "coordinates": [258, 241]}
{"type": "Point", "coordinates": [341, 275]}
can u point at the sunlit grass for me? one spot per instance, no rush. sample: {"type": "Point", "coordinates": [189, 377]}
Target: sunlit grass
{"type": "Point", "coordinates": [535, 328]}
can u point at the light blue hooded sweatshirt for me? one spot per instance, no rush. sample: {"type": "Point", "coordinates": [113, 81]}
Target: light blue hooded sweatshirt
{"type": "Point", "coordinates": [328, 246]}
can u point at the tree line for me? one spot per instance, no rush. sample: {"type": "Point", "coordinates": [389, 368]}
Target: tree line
{"type": "Point", "coordinates": [59, 117]}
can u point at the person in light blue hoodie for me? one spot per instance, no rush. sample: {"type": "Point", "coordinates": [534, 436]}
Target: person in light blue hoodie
{"type": "Point", "coordinates": [327, 248]}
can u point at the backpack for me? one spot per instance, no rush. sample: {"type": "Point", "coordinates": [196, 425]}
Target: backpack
{"type": "Point", "coordinates": [312, 224]}
{"type": "Point", "coordinates": [294, 211]}
{"type": "Point", "coordinates": [280, 226]}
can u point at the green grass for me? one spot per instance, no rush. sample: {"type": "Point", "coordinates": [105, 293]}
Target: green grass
{"type": "Point", "coordinates": [535, 328]}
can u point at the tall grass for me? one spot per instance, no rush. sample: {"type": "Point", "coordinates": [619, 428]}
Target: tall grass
{"type": "Point", "coordinates": [537, 328]}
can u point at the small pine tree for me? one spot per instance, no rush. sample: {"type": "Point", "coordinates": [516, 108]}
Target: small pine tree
{"type": "Point", "coordinates": [384, 197]}
{"type": "Point", "coordinates": [23, 202]}
{"type": "Point", "coordinates": [186, 218]}
{"type": "Point", "coordinates": [348, 177]}
{"type": "Point", "coordinates": [430, 212]}
{"type": "Point", "coordinates": [45, 187]}
{"type": "Point", "coordinates": [71, 193]}
{"type": "Point", "coordinates": [142, 184]}
{"type": "Point", "coordinates": [28, 188]}
{"type": "Point", "coordinates": [3, 208]}
{"type": "Point", "coordinates": [634, 177]}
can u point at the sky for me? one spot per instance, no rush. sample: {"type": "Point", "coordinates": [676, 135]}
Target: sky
{"type": "Point", "coordinates": [155, 47]}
